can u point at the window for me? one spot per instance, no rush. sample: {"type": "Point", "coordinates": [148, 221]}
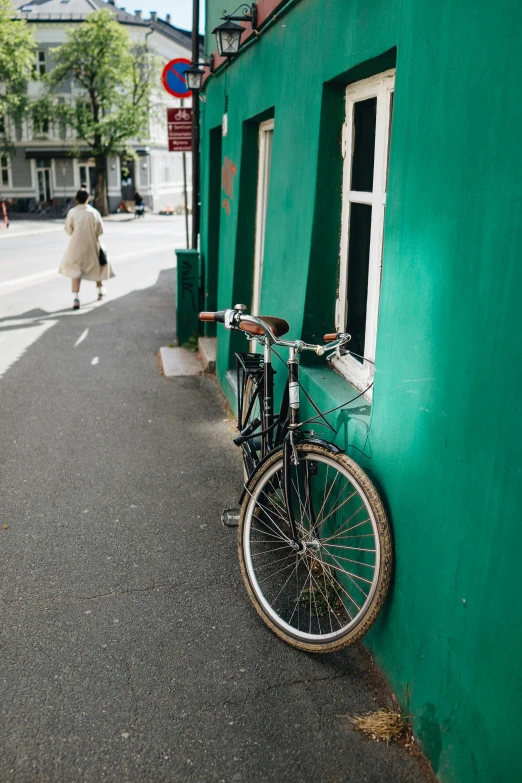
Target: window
{"type": "Point", "coordinates": [40, 126]}
{"type": "Point", "coordinates": [87, 174]}
{"type": "Point", "coordinates": [40, 62]}
{"type": "Point", "coordinates": [4, 171]}
{"type": "Point", "coordinates": [266, 135]}
{"type": "Point", "coordinates": [366, 140]}
{"type": "Point", "coordinates": [2, 123]}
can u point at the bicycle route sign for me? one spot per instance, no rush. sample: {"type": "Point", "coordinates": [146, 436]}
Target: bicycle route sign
{"type": "Point", "coordinates": [179, 124]}
{"type": "Point", "coordinates": [173, 78]}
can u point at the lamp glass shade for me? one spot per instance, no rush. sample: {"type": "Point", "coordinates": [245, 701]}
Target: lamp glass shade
{"type": "Point", "coordinates": [228, 37]}
{"type": "Point", "coordinates": [194, 77]}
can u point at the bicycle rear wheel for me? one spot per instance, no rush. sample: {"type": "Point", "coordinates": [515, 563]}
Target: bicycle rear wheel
{"type": "Point", "coordinates": [329, 593]}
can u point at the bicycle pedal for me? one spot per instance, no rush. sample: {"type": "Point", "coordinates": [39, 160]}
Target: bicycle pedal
{"type": "Point", "coordinates": [230, 517]}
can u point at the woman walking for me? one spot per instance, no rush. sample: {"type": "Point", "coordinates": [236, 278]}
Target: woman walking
{"type": "Point", "coordinates": [82, 257]}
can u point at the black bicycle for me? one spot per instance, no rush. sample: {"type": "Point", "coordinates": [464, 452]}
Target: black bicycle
{"type": "Point", "coordinates": [314, 540]}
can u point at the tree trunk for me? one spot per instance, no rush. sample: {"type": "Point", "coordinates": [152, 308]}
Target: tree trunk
{"type": "Point", "coordinates": [100, 190]}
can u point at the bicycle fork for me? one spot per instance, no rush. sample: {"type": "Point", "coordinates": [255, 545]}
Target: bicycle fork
{"type": "Point", "coordinates": [290, 456]}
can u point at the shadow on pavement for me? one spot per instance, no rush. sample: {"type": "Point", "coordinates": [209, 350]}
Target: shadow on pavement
{"type": "Point", "coordinates": [131, 652]}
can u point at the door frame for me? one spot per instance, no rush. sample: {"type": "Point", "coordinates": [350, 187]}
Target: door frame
{"type": "Point", "coordinates": [44, 169]}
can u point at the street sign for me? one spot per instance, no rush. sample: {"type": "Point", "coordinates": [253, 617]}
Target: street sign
{"type": "Point", "coordinates": [173, 78]}
{"type": "Point", "coordinates": [179, 123]}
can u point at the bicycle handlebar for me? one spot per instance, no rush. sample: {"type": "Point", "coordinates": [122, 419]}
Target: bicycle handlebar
{"type": "Point", "coordinates": [218, 316]}
{"type": "Point", "coordinates": [233, 318]}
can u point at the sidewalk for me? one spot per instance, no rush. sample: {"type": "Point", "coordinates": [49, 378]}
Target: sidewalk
{"type": "Point", "coordinates": [130, 651]}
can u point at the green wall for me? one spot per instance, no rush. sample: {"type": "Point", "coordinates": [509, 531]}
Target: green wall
{"type": "Point", "coordinates": [442, 437]}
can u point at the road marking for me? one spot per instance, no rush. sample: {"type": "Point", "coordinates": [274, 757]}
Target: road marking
{"type": "Point", "coordinates": [55, 229]}
{"type": "Point", "coordinates": [81, 338]}
{"type": "Point", "coordinates": [96, 360]}
{"type": "Point", "coordinates": [30, 233]}
{"type": "Point", "coordinates": [27, 278]}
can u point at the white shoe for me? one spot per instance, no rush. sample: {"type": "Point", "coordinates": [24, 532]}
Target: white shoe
{"type": "Point", "coordinates": [101, 293]}
{"type": "Point", "coordinates": [76, 303]}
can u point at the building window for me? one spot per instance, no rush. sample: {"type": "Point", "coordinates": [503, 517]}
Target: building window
{"type": "Point", "coordinates": [266, 136]}
{"type": "Point", "coordinates": [40, 62]}
{"type": "Point", "coordinates": [366, 140]}
{"type": "Point", "coordinates": [4, 171]}
{"type": "Point", "coordinates": [87, 174]}
{"type": "Point", "coordinates": [40, 123]}
{"type": "Point", "coordinates": [2, 124]}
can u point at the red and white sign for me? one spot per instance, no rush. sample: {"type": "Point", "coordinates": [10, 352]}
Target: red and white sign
{"type": "Point", "coordinates": [173, 77]}
{"type": "Point", "coordinates": [179, 123]}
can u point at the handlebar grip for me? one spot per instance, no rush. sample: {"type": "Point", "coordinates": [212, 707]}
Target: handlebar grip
{"type": "Point", "coordinates": [329, 338]}
{"type": "Point", "coordinates": [218, 316]}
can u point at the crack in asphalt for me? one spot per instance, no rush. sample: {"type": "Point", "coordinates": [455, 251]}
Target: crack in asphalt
{"type": "Point", "coordinates": [277, 686]}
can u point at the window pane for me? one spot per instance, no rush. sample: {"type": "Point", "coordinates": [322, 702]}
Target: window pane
{"type": "Point", "coordinates": [364, 117]}
{"type": "Point", "coordinates": [5, 177]}
{"type": "Point", "coordinates": [358, 263]}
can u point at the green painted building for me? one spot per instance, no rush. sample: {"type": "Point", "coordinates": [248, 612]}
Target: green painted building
{"type": "Point", "coordinates": [367, 175]}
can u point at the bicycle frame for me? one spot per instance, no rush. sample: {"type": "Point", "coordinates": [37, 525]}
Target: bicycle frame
{"type": "Point", "coordinates": [287, 421]}
{"type": "Point", "coordinates": [261, 436]}
{"type": "Point", "coordinates": [287, 426]}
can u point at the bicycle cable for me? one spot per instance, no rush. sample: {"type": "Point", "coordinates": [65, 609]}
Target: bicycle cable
{"type": "Point", "coordinates": [326, 413]}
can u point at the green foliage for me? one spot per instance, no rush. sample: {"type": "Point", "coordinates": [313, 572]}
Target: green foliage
{"type": "Point", "coordinates": [113, 83]}
{"type": "Point", "coordinates": [17, 48]}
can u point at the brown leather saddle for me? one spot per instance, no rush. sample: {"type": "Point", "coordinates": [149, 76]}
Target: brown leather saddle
{"type": "Point", "coordinates": [278, 325]}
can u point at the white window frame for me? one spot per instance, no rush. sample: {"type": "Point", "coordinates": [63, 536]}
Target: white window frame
{"type": "Point", "coordinates": [263, 180]}
{"type": "Point", "coordinates": [43, 169]}
{"type": "Point", "coordinates": [41, 62]}
{"type": "Point", "coordinates": [380, 87]}
{"type": "Point", "coordinates": [88, 164]}
{"type": "Point", "coordinates": [7, 168]}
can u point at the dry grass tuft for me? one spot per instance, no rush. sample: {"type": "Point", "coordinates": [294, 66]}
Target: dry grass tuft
{"type": "Point", "coordinates": [381, 725]}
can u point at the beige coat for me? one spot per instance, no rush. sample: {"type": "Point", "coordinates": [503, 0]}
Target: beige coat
{"type": "Point", "coordinates": [85, 225]}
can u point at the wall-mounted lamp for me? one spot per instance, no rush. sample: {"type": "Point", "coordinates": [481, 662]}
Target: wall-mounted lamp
{"type": "Point", "coordinates": [194, 74]}
{"type": "Point", "coordinates": [228, 35]}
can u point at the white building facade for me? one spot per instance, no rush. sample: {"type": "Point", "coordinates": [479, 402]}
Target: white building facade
{"type": "Point", "coordinates": [42, 172]}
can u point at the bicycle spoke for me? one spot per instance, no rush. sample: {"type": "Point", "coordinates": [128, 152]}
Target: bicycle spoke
{"type": "Point", "coordinates": [350, 576]}
{"type": "Point", "coordinates": [319, 594]}
{"type": "Point", "coordinates": [270, 576]}
{"type": "Point", "coordinates": [273, 535]}
{"type": "Point", "coordinates": [346, 593]}
{"type": "Point", "coordinates": [340, 506]}
{"type": "Point", "coordinates": [273, 562]}
{"type": "Point", "coordinates": [355, 548]}
{"type": "Point", "coordinates": [341, 532]}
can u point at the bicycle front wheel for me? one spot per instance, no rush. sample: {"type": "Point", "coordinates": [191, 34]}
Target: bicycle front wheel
{"type": "Point", "coordinates": [329, 593]}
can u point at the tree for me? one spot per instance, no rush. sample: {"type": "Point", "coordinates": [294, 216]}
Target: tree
{"type": "Point", "coordinates": [17, 48]}
{"type": "Point", "coordinates": [113, 84]}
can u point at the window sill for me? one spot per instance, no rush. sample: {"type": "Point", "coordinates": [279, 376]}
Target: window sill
{"type": "Point", "coordinates": [355, 373]}
{"type": "Point", "coordinates": [328, 389]}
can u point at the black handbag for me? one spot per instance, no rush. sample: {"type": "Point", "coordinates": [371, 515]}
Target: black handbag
{"type": "Point", "coordinates": [102, 257]}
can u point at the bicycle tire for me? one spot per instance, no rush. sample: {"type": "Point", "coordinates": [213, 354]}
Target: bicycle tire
{"type": "Point", "coordinates": [325, 596]}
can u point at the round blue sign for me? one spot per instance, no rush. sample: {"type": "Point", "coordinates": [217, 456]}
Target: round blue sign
{"type": "Point", "coordinates": [173, 78]}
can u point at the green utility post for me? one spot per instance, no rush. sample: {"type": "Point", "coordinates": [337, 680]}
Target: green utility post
{"type": "Point", "coordinates": [187, 295]}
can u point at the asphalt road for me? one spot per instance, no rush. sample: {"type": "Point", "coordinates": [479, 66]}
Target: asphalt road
{"type": "Point", "coordinates": [129, 651]}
